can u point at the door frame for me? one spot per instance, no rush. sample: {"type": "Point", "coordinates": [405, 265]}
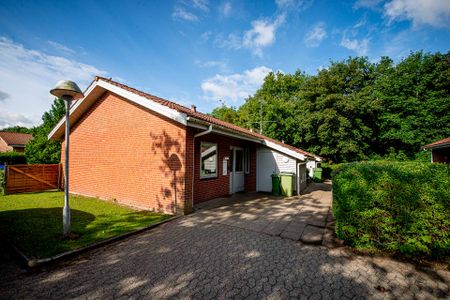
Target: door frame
{"type": "Point", "coordinates": [233, 167]}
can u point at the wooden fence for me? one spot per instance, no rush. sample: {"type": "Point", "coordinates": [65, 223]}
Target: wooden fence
{"type": "Point", "coordinates": [32, 178]}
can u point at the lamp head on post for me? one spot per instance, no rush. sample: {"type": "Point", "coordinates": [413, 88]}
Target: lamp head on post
{"type": "Point", "coordinates": [67, 90]}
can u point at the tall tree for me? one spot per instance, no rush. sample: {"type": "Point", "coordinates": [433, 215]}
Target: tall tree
{"type": "Point", "coordinates": [225, 113]}
{"type": "Point", "coordinates": [41, 150]}
{"type": "Point", "coordinates": [416, 100]}
{"type": "Point", "coordinates": [356, 109]}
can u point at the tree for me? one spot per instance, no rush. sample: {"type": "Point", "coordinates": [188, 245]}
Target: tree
{"type": "Point", "coordinates": [355, 109]}
{"type": "Point", "coordinates": [41, 150]}
{"type": "Point", "coordinates": [20, 129]}
{"type": "Point", "coordinates": [225, 113]}
{"type": "Point", "coordinates": [416, 100]}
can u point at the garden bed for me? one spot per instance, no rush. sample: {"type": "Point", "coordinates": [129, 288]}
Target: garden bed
{"type": "Point", "coordinates": [33, 222]}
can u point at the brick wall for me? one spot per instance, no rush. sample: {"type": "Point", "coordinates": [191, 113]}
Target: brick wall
{"type": "Point", "coordinates": [207, 189]}
{"type": "Point", "coordinates": [121, 151]}
{"type": "Point", "coordinates": [4, 146]}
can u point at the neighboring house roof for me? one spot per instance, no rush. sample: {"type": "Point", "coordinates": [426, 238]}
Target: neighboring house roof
{"type": "Point", "coordinates": [15, 138]}
{"type": "Point", "coordinates": [175, 111]}
{"type": "Point", "coordinates": [439, 144]}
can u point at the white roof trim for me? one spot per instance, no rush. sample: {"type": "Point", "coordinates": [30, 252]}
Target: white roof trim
{"type": "Point", "coordinates": [285, 150]}
{"type": "Point", "coordinates": [135, 98]}
{"type": "Point", "coordinates": [147, 103]}
{"type": "Point", "coordinates": [267, 143]}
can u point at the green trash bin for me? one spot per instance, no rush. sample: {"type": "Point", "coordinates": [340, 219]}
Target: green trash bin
{"type": "Point", "coordinates": [287, 184]}
{"type": "Point", "coordinates": [276, 184]}
{"type": "Point", "coordinates": [317, 174]}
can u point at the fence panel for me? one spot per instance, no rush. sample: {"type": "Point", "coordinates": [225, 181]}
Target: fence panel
{"type": "Point", "coordinates": [32, 178]}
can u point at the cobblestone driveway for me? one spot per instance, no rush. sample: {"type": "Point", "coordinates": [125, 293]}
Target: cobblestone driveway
{"type": "Point", "coordinates": [193, 257]}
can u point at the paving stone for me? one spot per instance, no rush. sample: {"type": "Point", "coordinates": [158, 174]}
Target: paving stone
{"type": "Point", "coordinates": [292, 235]}
{"type": "Point", "coordinates": [295, 226]}
{"type": "Point", "coordinates": [312, 235]}
{"type": "Point", "coordinates": [274, 228]}
{"type": "Point", "coordinates": [198, 257]}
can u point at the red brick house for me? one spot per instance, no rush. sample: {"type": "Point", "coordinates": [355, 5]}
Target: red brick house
{"type": "Point", "coordinates": [13, 141]}
{"type": "Point", "coordinates": [440, 151]}
{"type": "Point", "coordinates": [151, 153]}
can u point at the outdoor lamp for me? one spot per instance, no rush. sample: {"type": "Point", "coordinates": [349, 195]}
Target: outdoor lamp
{"type": "Point", "coordinates": [68, 91]}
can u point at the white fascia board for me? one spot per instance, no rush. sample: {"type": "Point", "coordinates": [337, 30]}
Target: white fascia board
{"type": "Point", "coordinates": [284, 150]}
{"type": "Point", "coordinates": [147, 103]}
{"type": "Point", "coordinates": [135, 98]}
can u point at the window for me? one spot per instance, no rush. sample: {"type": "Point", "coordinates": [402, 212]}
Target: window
{"type": "Point", "coordinates": [208, 160]}
{"type": "Point", "coordinates": [247, 161]}
{"type": "Point", "coordinates": [239, 160]}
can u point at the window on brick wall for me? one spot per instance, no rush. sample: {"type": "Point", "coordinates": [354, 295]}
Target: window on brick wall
{"type": "Point", "coordinates": [208, 160]}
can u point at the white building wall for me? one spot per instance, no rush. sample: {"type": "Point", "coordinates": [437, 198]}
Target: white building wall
{"type": "Point", "coordinates": [269, 161]}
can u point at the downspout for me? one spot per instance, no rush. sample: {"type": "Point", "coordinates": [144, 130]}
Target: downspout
{"type": "Point", "coordinates": [209, 130]}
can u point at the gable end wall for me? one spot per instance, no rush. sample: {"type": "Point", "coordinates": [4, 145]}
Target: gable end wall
{"type": "Point", "coordinates": [123, 152]}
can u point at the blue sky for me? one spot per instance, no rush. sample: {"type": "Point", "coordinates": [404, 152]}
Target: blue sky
{"type": "Point", "coordinates": [197, 51]}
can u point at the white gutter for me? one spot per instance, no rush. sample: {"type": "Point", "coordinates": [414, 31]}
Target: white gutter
{"type": "Point", "coordinates": [208, 131]}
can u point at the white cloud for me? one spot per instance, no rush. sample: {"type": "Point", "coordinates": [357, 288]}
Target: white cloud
{"type": "Point", "coordinates": [27, 76]}
{"type": "Point", "coordinates": [236, 86]}
{"type": "Point", "coordinates": [262, 34]}
{"type": "Point", "coordinates": [181, 13]}
{"type": "Point", "coordinates": [9, 119]}
{"type": "Point", "coordinates": [205, 36]}
{"type": "Point", "coordinates": [232, 41]}
{"type": "Point", "coordinates": [61, 47]}
{"type": "Point", "coordinates": [432, 12]}
{"type": "Point", "coordinates": [212, 64]}
{"type": "Point", "coordinates": [295, 5]}
{"type": "Point", "coordinates": [225, 9]}
{"type": "Point", "coordinates": [361, 47]}
{"type": "Point", "coordinates": [201, 4]}
{"type": "Point", "coordinates": [316, 35]}
{"type": "Point", "coordinates": [372, 4]}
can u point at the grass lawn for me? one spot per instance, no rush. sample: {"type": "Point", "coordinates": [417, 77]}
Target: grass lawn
{"type": "Point", "coordinates": [34, 221]}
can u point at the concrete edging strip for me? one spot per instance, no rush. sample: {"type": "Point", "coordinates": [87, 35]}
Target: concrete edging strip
{"type": "Point", "coordinates": [36, 262]}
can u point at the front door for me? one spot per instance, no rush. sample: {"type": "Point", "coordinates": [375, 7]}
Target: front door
{"type": "Point", "coordinates": [237, 170]}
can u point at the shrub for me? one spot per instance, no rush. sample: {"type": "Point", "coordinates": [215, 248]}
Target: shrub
{"type": "Point", "coordinates": [328, 170]}
{"type": "Point", "coordinates": [399, 207]}
{"type": "Point", "coordinates": [12, 158]}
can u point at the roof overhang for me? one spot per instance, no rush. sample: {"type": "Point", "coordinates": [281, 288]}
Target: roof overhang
{"type": "Point", "coordinates": [438, 146]}
{"type": "Point", "coordinates": [96, 90]}
{"type": "Point", "coordinates": [200, 124]}
{"type": "Point", "coordinates": [98, 87]}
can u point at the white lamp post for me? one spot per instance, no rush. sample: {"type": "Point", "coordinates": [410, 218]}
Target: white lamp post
{"type": "Point", "coordinates": [68, 91]}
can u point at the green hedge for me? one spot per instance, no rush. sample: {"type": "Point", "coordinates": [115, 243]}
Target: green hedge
{"type": "Point", "coordinates": [12, 158]}
{"type": "Point", "coordinates": [398, 207]}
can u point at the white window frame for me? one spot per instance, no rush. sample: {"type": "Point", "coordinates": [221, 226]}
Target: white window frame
{"type": "Point", "coordinates": [213, 175]}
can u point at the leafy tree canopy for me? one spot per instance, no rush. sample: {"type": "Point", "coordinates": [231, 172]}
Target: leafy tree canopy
{"type": "Point", "coordinates": [355, 109]}
{"type": "Point", "coordinates": [20, 129]}
{"type": "Point", "coordinates": [40, 150]}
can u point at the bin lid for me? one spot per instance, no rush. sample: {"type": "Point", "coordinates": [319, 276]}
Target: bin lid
{"type": "Point", "coordinates": [276, 175]}
{"type": "Point", "coordinates": [286, 174]}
